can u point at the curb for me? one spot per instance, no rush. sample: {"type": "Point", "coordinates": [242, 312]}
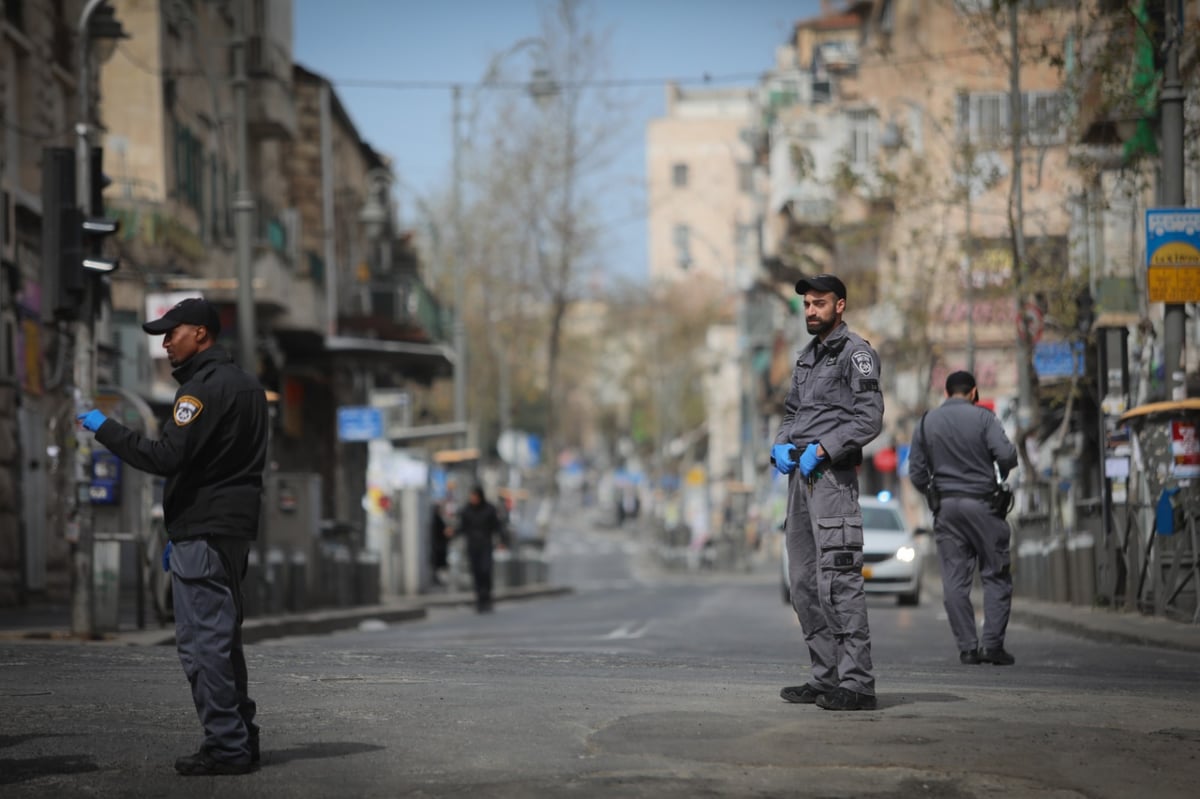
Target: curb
{"type": "Point", "coordinates": [1113, 626]}
{"type": "Point", "coordinates": [316, 622]}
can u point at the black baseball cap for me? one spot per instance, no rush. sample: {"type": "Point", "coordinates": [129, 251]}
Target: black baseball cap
{"type": "Point", "coordinates": [192, 311]}
{"type": "Point", "coordinates": [824, 283]}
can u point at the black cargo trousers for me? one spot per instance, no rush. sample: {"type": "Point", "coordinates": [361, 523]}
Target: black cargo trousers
{"type": "Point", "coordinates": [206, 581]}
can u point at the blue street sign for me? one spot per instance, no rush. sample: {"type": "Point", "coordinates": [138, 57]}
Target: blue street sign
{"type": "Point", "coordinates": [1058, 359]}
{"type": "Point", "coordinates": [359, 423]}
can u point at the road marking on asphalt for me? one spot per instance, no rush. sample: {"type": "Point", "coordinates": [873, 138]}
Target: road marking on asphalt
{"type": "Point", "coordinates": [630, 629]}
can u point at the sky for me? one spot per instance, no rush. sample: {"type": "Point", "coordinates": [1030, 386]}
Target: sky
{"type": "Point", "coordinates": [452, 41]}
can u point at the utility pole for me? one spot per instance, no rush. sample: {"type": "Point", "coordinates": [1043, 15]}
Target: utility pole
{"type": "Point", "coordinates": [83, 617]}
{"type": "Point", "coordinates": [460, 285]}
{"type": "Point", "coordinates": [968, 252]}
{"type": "Point", "coordinates": [1025, 414]}
{"type": "Point", "coordinates": [243, 202]}
{"type": "Point", "coordinates": [1172, 189]}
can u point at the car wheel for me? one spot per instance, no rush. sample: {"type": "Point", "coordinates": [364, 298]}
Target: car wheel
{"type": "Point", "coordinates": [909, 600]}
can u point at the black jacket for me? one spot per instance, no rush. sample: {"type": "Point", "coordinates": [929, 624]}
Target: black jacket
{"type": "Point", "coordinates": [212, 451]}
{"type": "Point", "coordinates": [480, 523]}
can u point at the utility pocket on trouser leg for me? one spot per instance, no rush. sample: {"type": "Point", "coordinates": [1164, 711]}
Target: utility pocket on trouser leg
{"type": "Point", "coordinates": [841, 560]}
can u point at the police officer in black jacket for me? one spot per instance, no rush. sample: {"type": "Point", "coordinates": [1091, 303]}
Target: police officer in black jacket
{"type": "Point", "coordinates": [212, 452]}
{"type": "Point", "coordinates": [967, 445]}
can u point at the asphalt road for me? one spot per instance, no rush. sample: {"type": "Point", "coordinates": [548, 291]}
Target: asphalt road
{"type": "Point", "coordinates": [637, 684]}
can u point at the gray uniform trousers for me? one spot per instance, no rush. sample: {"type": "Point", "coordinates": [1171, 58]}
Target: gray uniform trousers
{"type": "Point", "coordinates": [206, 577]}
{"type": "Point", "coordinates": [967, 533]}
{"type": "Point", "coordinates": [824, 542]}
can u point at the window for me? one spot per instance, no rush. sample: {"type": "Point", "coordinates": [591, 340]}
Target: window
{"type": "Point", "coordinates": [679, 175]}
{"type": "Point", "coordinates": [863, 136]}
{"type": "Point", "coordinates": [683, 246]}
{"type": "Point", "coordinates": [14, 14]}
{"type": "Point", "coordinates": [746, 178]}
{"type": "Point", "coordinates": [984, 117]}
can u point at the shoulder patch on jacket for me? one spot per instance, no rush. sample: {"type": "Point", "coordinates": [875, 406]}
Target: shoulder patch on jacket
{"type": "Point", "coordinates": [863, 362]}
{"type": "Point", "coordinates": [187, 408]}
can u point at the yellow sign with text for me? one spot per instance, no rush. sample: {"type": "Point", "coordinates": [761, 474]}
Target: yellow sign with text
{"type": "Point", "coordinates": [1173, 284]}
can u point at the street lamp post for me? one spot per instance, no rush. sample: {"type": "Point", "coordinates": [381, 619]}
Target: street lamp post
{"type": "Point", "coordinates": [1173, 193]}
{"type": "Point", "coordinates": [540, 87]}
{"type": "Point", "coordinates": [460, 285]}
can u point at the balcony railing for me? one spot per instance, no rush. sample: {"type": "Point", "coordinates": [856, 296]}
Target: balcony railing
{"type": "Point", "coordinates": [401, 307]}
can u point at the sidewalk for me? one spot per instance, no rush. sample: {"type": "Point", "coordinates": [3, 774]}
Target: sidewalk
{"type": "Point", "coordinates": [1102, 624]}
{"type": "Point", "coordinates": [1092, 623]}
{"type": "Point", "coordinates": [52, 622]}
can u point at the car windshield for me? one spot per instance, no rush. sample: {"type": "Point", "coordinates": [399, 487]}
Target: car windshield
{"type": "Point", "coordinates": [882, 519]}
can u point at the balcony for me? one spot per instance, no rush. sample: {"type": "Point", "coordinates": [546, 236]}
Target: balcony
{"type": "Point", "coordinates": [399, 309]}
{"type": "Point", "coordinates": [270, 110]}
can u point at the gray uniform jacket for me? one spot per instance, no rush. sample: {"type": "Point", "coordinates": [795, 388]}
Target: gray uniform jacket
{"type": "Point", "coordinates": [835, 398]}
{"type": "Point", "coordinates": [964, 440]}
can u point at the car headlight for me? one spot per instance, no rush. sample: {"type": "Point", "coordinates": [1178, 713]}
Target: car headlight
{"type": "Point", "coordinates": [906, 554]}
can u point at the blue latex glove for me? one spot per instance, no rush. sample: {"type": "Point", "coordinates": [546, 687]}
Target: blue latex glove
{"type": "Point", "coordinates": [784, 455]}
{"type": "Point", "coordinates": [809, 460]}
{"type": "Point", "coordinates": [167, 557]}
{"type": "Point", "coordinates": [92, 419]}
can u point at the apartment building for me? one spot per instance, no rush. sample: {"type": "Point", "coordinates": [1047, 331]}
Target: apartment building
{"type": "Point", "coordinates": [170, 146]}
{"type": "Point", "coordinates": [39, 106]}
{"type": "Point", "coordinates": [339, 308]}
{"type": "Point", "coordinates": [703, 222]}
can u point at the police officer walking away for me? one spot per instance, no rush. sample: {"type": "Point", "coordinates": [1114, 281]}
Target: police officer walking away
{"type": "Point", "coordinates": [212, 452]}
{"type": "Point", "coordinates": [955, 451]}
{"type": "Point", "coordinates": [833, 409]}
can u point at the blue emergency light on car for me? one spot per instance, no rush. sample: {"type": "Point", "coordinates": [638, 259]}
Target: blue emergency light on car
{"type": "Point", "coordinates": [884, 496]}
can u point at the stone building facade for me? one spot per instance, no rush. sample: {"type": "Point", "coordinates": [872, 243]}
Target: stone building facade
{"type": "Point", "coordinates": [39, 105]}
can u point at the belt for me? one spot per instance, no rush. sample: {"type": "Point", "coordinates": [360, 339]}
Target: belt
{"type": "Point", "coordinates": [963, 495]}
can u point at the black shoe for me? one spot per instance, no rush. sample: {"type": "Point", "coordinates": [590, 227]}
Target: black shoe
{"type": "Point", "coordinates": [252, 745]}
{"type": "Point", "coordinates": [801, 694]}
{"type": "Point", "coordinates": [845, 699]}
{"type": "Point", "coordinates": [997, 657]}
{"type": "Point", "coordinates": [202, 764]}
{"type": "Point", "coordinates": [969, 657]}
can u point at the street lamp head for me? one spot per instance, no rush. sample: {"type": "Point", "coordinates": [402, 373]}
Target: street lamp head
{"type": "Point", "coordinates": [373, 216]}
{"type": "Point", "coordinates": [104, 31]}
{"type": "Point", "coordinates": [541, 85]}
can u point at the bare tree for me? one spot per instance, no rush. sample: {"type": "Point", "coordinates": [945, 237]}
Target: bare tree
{"type": "Point", "coordinates": [532, 222]}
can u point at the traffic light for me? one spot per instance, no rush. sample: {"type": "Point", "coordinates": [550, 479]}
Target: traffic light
{"type": "Point", "coordinates": [97, 227]}
{"type": "Point", "coordinates": [62, 275]}
{"type": "Point", "coordinates": [72, 242]}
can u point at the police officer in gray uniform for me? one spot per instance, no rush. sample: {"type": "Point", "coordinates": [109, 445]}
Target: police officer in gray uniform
{"type": "Point", "coordinates": [212, 452]}
{"type": "Point", "coordinates": [833, 409]}
{"type": "Point", "coordinates": [966, 445]}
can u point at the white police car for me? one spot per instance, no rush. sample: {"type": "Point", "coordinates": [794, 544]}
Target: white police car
{"type": "Point", "coordinates": [892, 561]}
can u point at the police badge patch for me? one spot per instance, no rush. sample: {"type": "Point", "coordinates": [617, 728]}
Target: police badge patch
{"type": "Point", "coordinates": [187, 408]}
{"type": "Point", "coordinates": [863, 362]}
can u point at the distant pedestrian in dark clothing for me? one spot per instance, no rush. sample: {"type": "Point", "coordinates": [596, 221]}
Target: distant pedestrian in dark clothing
{"type": "Point", "coordinates": [480, 522]}
{"type": "Point", "coordinates": [439, 544]}
{"type": "Point", "coordinates": [212, 452]}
